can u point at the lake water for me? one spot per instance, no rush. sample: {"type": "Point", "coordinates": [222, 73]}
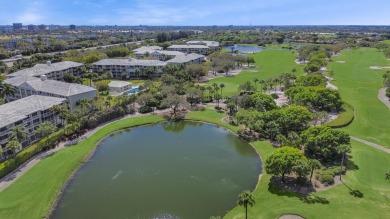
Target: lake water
{"type": "Point", "coordinates": [168, 170]}
{"type": "Point", "coordinates": [244, 49]}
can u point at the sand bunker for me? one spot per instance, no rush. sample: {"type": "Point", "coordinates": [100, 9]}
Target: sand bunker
{"type": "Point", "coordinates": [340, 61]}
{"type": "Point", "coordinates": [379, 67]}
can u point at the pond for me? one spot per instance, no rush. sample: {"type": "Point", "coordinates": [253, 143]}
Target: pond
{"type": "Point", "coordinates": [244, 49]}
{"type": "Point", "coordinates": [167, 170]}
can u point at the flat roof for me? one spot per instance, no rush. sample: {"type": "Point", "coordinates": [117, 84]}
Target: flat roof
{"type": "Point", "coordinates": [19, 109]}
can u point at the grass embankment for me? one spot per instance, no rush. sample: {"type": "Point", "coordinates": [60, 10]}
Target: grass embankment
{"type": "Point", "coordinates": [346, 117]}
{"type": "Point", "coordinates": [337, 202]}
{"type": "Point", "coordinates": [269, 63]}
{"type": "Point", "coordinates": [32, 195]}
{"type": "Point", "coordinates": [359, 86]}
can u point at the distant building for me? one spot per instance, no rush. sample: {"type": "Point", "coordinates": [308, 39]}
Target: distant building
{"type": "Point", "coordinates": [200, 49]}
{"type": "Point", "coordinates": [42, 27]}
{"type": "Point", "coordinates": [72, 27]}
{"type": "Point", "coordinates": [54, 71]}
{"type": "Point", "coordinates": [27, 86]}
{"type": "Point", "coordinates": [28, 112]}
{"type": "Point", "coordinates": [17, 26]}
{"type": "Point", "coordinates": [192, 58]}
{"type": "Point", "coordinates": [211, 44]}
{"type": "Point", "coordinates": [145, 51]}
{"type": "Point", "coordinates": [31, 27]}
{"type": "Point", "coordinates": [128, 66]}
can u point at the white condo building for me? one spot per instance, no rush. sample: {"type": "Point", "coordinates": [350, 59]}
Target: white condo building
{"type": "Point", "coordinates": [128, 66]}
{"type": "Point", "coordinates": [27, 86]}
{"type": "Point", "coordinates": [28, 112]}
{"type": "Point", "coordinates": [54, 71]}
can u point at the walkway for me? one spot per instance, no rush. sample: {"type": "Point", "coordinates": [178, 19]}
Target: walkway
{"type": "Point", "coordinates": [377, 146]}
{"type": "Point", "coordinates": [382, 97]}
{"type": "Point", "coordinates": [20, 171]}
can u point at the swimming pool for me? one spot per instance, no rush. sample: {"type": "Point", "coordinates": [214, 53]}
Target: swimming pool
{"type": "Point", "coordinates": [133, 90]}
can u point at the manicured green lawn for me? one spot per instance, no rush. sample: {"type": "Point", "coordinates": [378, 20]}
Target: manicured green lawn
{"type": "Point", "coordinates": [269, 63]}
{"type": "Point", "coordinates": [367, 176]}
{"type": "Point", "coordinates": [359, 87]}
{"type": "Point", "coordinates": [337, 202]}
{"type": "Point", "coordinates": [31, 196]}
{"type": "Point", "coordinates": [211, 116]}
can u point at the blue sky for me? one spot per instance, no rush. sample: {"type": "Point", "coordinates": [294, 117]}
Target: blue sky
{"type": "Point", "coordinates": [196, 12]}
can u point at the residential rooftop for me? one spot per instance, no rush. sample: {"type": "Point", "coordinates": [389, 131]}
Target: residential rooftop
{"type": "Point", "coordinates": [185, 58]}
{"type": "Point", "coordinates": [130, 62]}
{"type": "Point", "coordinates": [49, 86]}
{"type": "Point", "coordinates": [41, 69]}
{"type": "Point", "coordinates": [207, 42]}
{"type": "Point", "coordinates": [118, 84]}
{"type": "Point", "coordinates": [144, 49]}
{"type": "Point", "coordinates": [188, 46]}
{"type": "Point", "coordinates": [19, 109]}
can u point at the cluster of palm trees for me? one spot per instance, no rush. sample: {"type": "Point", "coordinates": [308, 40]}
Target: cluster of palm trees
{"type": "Point", "coordinates": [214, 91]}
{"type": "Point", "coordinates": [17, 136]}
{"type": "Point", "coordinates": [285, 80]}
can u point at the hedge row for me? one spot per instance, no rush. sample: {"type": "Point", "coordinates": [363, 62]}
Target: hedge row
{"type": "Point", "coordinates": [346, 117]}
{"type": "Point", "coordinates": [26, 154]}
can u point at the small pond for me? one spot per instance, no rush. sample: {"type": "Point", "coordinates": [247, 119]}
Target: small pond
{"type": "Point", "coordinates": [244, 49]}
{"type": "Point", "coordinates": [167, 170]}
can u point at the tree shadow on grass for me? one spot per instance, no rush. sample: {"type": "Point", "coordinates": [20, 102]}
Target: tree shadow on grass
{"type": "Point", "coordinates": [305, 194]}
{"type": "Point", "coordinates": [352, 165]}
{"type": "Point", "coordinates": [354, 192]}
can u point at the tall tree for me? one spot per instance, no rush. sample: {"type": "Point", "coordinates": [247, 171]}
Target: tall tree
{"type": "Point", "coordinates": [45, 129]}
{"type": "Point", "coordinates": [244, 199]}
{"type": "Point", "coordinates": [13, 146]}
{"type": "Point", "coordinates": [18, 133]}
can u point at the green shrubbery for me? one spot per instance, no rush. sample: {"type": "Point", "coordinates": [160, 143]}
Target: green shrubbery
{"type": "Point", "coordinates": [326, 175]}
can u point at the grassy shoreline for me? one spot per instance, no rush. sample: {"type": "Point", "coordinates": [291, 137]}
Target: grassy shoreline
{"type": "Point", "coordinates": [44, 182]}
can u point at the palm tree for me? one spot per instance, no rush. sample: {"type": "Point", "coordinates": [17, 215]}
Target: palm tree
{"type": "Point", "coordinates": [244, 199]}
{"type": "Point", "coordinates": [18, 133]}
{"type": "Point", "coordinates": [209, 88]}
{"type": "Point", "coordinates": [261, 82]}
{"type": "Point", "coordinates": [255, 80]}
{"type": "Point", "coordinates": [137, 72]}
{"type": "Point", "coordinates": [293, 71]}
{"type": "Point", "coordinates": [221, 86]}
{"type": "Point", "coordinates": [202, 89]}
{"type": "Point", "coordinates": [343, 149]}
{"type": "Point", "coordinates": [61, 111]}
{"type": "Point", "coordinates": [7, 90]}
{"type": "Point", "coordinates": [13, 146]}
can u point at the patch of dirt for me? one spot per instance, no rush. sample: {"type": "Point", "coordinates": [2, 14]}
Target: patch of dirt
{"type": "Point", "coordinates": [299, 62]}
{"type": "Point", "coordinates": [379, 67]}
{"type": "Point", "coordinates": [282, 100]}
{"type": "Point", "coordinates": [340, 61]}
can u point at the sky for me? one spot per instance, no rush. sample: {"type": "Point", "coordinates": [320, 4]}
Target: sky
{"type": "Point", "coordinates": [196, 12]}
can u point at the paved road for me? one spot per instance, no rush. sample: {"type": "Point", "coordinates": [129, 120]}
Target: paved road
{"type": "Point", "coordinates": [377, 146]}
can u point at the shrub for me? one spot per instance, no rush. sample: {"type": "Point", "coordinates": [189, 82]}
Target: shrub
{"type": "Point", "coordinates": [145, 109]}
{"type": "Point", "coordinates": [275, 96]}
{"type": "Point", "coordinates": [388, 92]}
{"type": "Point", "coordinates": [326, 179]}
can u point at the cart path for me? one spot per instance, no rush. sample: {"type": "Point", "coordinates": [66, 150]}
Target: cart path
{"type": "Point", "coordinates": [377, 146]}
